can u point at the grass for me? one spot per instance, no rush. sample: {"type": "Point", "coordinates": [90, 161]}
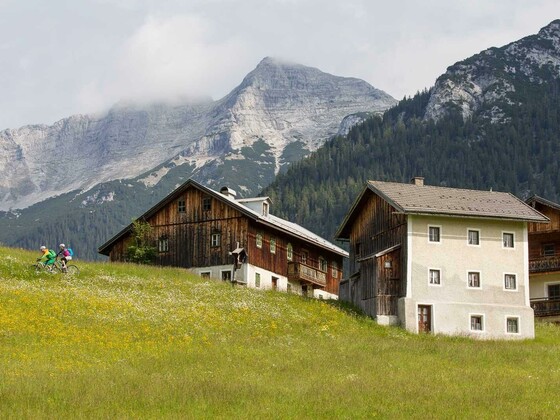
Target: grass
{"type": "Point", "coordinates": [130, 341]}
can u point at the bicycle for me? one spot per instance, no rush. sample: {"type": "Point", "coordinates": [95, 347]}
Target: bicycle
{"type": "Point", "coordinates": [70, 269]}
{"type": "Point", "coordinates": [55, 268]}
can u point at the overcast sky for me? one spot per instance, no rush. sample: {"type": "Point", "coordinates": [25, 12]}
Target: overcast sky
{"type": "Point", "coordinates": [64, 57]}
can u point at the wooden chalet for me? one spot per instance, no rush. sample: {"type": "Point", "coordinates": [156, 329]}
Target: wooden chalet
{"type": "Point", "coordinates": [544, 260]}
{"type": "Point", "coordinates": [443, 260]}
{"type": "Point", "coordinates": [216, 235]}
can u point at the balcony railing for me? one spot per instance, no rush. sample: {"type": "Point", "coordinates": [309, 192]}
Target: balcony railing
{"type": "Point", "coordinates": [301, 272]}
{"type": "Point", "coordinates": [546, 306]}
{"type": "Point", "coordinates": [543, 264]}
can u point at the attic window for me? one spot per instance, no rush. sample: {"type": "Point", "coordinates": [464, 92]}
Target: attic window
{"type": "Point", "coordinates": [181, 206]}
{"type": "Point", "coordinates": [206, 204]}
{"type": "Point", "coordinates": [265, 209]}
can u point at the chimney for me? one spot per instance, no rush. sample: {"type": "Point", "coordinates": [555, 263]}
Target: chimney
{"type": "Point", "coordinates": [418, 181]}
{"type": "Point", "coordinates": [228, 192]}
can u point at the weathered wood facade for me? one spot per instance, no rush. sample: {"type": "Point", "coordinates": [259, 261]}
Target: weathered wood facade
{"type": "Point", "coordinates": [544, 260]}
{"type": "Point", "coordinates": [197, 227]}
{"type": "Point", "coordinates": [377, 236]}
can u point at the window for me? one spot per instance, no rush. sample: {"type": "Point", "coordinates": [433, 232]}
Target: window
{"type": "Point", "coordinates": [474, 279]}
{"type": "Point", "coordinates": [289, 252]}
{"type": "Point", "coordinates": [323, 264]}
{"type": "Point", "coordinates": [334, 267]}
{"type": "Point", "coordinates": [548, 250]}
{"type": "Point", "coordinates": [216, 239]}
{"type": "Point", "coordinates": [258, 240]}
{"type": "Point", "coordinates": [508, 240]}
{"type": "Point", "coordinates": [273, 245]}
{"type": "Point", "coordinates": [510, 282]}
{"type": "Point", "coordinates": [163, 244]}
{"type": "Point", "coordinates": [303, 257]}
{"type": "Point", "coordinates": [435, 276]}
{"type": "Point", "coordinates": [226, 275]}
{"type": "Point", "coordinates": [205, 274]}
{"type": "Point", "coordinates": [477, 323]}
{"type": "Point", "coordinates": [512, 325]}
{"type": "Point", "coordinates": [265, 209]}
{"type": "Point", "coordinates": [206, 204]}
{"type": "Point", "coordinates": [474, 237]}
{"type": "Point", "coordinates": [553, 291]}
{"type": "Point", "coordinates": [181, 206]}
{"type": "Point", "coordinates": [257, 279]}
{"type": "Point", "coordinates": [434, 234]}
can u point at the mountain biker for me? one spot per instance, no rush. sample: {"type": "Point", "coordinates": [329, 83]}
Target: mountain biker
{"type": "Point", "coordinates": [48, 256]}
{"type": "Point", "coordinates": [66, 256]}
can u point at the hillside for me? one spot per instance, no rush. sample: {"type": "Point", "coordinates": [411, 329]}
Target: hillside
{"type": "Point", "coordinates": [135, 341]}
{"type": "Point", "coordinates": [491, 121]}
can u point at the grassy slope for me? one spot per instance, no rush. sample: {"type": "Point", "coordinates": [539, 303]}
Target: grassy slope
{"type": "Point", "coordinates": [129, 341]}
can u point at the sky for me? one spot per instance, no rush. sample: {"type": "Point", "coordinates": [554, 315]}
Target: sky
{"type": "Point", "coordinates": [66, 57]}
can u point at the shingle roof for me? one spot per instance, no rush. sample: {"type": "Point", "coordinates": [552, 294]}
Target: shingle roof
{"type": "Point", "coordinates": [426, 199]}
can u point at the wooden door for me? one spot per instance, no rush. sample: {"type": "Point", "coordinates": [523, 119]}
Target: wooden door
{"type": "Point", "coordinates": [424, 318]}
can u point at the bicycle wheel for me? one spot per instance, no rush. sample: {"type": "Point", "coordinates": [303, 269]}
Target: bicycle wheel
{"type": "Point", "coordinates": [52, 269]}
{"type": "Point", "coordinates": [72, 270]}
{"type": "Point", "coordinates": [37, 267]}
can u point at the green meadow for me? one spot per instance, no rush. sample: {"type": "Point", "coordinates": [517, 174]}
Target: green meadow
{"type": "Point", "coordinates": [128, 341]}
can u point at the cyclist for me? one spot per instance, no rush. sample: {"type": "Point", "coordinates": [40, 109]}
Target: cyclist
{"type": "Point", "coordinates": [66, 255]}
{"type": "Point", "coordinates": [48, 257]}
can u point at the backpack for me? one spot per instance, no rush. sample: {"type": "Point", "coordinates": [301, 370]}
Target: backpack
{"type": "Point", "coordinates": [51, 254]}
{"type": "Point", "coordinates": [70, 251]}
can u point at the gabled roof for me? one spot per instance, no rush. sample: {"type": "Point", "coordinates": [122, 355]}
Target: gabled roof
{"type": "Point", "coordinates": [444, 201]}
{"type": "Point", "coordinates": [269, 220]}
{"type": "Point", "coordinates": [536, 199]}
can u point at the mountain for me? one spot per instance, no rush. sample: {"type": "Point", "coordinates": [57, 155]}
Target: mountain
{"type": "Point", "coordinates": [491, 121]}
{"type": "Point", "coordinates": [104, 170]}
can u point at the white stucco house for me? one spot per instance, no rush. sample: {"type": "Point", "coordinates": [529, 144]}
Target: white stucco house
{"type": "Point", "coordinates": [440, 260]}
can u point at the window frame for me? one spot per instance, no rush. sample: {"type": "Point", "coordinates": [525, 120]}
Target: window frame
{"type": "Point", "coordinates": [438, 270]}
{"type": "Point", "coordinates": [259, 240]}
{"type": "Point", "coordinates": [206, 203]}
{"type": "Point", "coordinates": [216, 240]}
{"type": "Point", "coordinates": [469, 230]}
{"type": "Point", "coordinates": [181, 205]}
{"type": "Point", "coordinates": [205, 274]}
{"type": "Point", "coordinates": [504, 233]}
{"type": "Point", "coordinates": [509, 289]}
{"type": "Point", "coordinates": [439, 230]}
{"type": "Point", "coordinates": [323, 264]}
{"type": "Point", "coordinates": [547, 289]}
{"type": "Point", "coordinates": [334, 269]}
{"type": "Point", "coordinates": [548, 254]}
{"type": "Point", "coordinates": [272, 245]}
{"type": "Point", "coordinates": [482, 323]}
{"type": "Point", "coordinates": [257, 280]}
{"type": "Point", "coordinates": [290, 252]}
{"type": "Point", "coordinates": [469, 272]}
{"type": "Point", "coordinates": [163, 244]}
{"type": "Point", "coordinates": [226, 271]}
{"type": "Point", "coordinates": [517, 324]}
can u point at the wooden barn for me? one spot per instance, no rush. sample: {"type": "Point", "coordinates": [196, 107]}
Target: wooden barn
{"type": "Point", "coordinates": [219, 236]}
{"type": "Point", "coordinates": [544, 260]}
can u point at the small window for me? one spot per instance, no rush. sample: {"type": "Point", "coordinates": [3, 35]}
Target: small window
{"type": "Point", "coordinates": [226, 275]}
{"type": "Point", "coordinates": [553, 291]}
{"type": "Point", "coordinates": [434, 234]}
{"type": "Point", "coordinates": [289, 252]}
{"type": "Point", "coordinates": [206, 204]}
{"type": "Point", "coordinates": [163, 244]}
{"type": "Point", "coordinates": [205, 274]}
{"type": "Point", "coordinates": [181, 206]}
{"type": "Point", "coordinates": [512, 325]}
{"type": "Point", "coordinates": [435, 277]}
{"type": "Point", "coordinates": [334, 267]}
{"type": "Point", "coordinates": [474, 279]}
{"type": "Point", "coordinates": [510, 282]}
{"type": "Point", "coordinates": [216, 239]}
{"type": "Point", "coordinates": [508, 240]}
{"type": "Point", "coordinates": [257, 280]}
{"type": "Point", "coordinates": [549, 250]}
{"type": "Point", "coordinates": [474, 237]}
{"type": "Point", "coordinates": [477, 323]}
{"type": "Point", "coordinates": [323, 264]}
{"type": "Point", "coordinates": [259, 240]}
{"type": "Point", "coordinates": [273, 245]}
{"type": "Point", "coordinates": [303, 257]}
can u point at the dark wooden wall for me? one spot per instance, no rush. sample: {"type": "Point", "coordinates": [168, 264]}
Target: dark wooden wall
{"type": "Point", "coordinates": [544, 233]}
{"type": "Point", "coordinates": [376, 228]}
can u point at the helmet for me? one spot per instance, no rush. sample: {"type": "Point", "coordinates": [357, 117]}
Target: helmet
{"type": "Point", "coordinates": [43, 247]}
{"type": "Point", "coordinates": [62, 246]}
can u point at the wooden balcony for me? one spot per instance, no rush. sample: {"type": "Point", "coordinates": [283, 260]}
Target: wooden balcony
{"type": "Point", "coordinates": [544, 264]}
{"type": "Point", "coordinates": [301, 272]}
{"type": "Point", "coordinates": [546, 307]}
